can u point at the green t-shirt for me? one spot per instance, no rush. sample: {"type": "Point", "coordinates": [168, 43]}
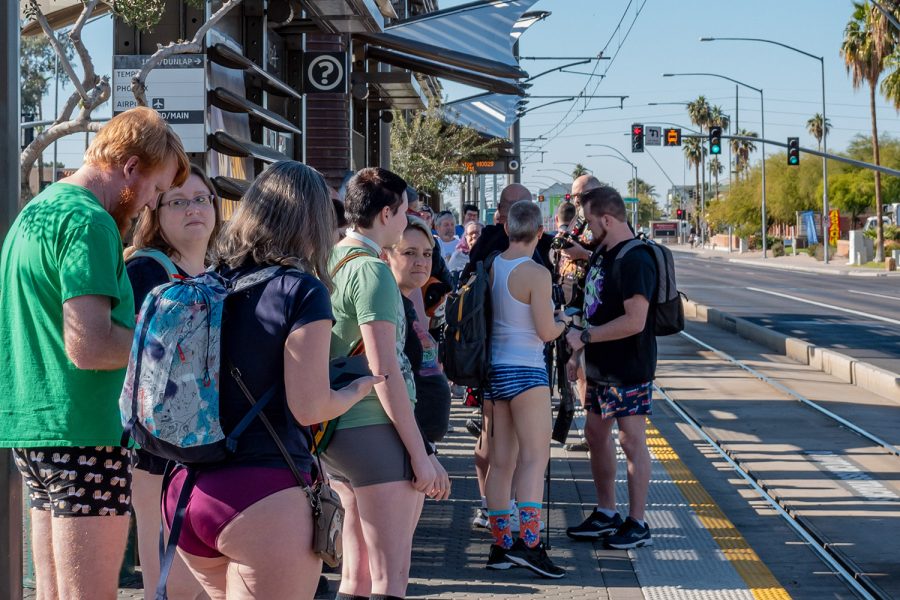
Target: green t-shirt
{"type": "Point", "coordinates": [364, 291]}
{"type": "Point", "coordinates": [62, 245]}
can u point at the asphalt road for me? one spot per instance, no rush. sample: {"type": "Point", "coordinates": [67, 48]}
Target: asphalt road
{"type": "Point", "coordinates": [858, 316]}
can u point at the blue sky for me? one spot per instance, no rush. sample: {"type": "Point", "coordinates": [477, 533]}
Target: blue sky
{"type": "Point", "coordinates": [665, 39]}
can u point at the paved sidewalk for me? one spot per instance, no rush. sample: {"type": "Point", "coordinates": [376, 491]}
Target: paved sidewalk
{"type": "Point", "coordinates": [800, 262]}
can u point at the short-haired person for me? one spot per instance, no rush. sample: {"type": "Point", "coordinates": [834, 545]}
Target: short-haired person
{"type": "Point", "coordinates": [519, 391]}
{"type": "Point", "coordinates": [470, 213]}
{"type": "Point", "coordinates": [565, 214]}
{"type": "Point", "coordinates": [248, 526]}
{"type": "Point", "coordinates": [447, 240]}
{"type": "Point", "coordinates": [460, 257]}
{"type": "Point", "coordinates": [620, 358]}
{"type": "Point", "coordinates": [170, 242]}
{"type": "Point", "coordinates": [382, 491]}
{"type": "Point", "coordinates": [65, 335]}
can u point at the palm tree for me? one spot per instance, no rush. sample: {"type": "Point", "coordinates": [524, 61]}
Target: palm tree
{"type": "Point", "coordinates": [579, 170]}
{"type": "Point", "coordinates": [819, 128]}
{"type": "Point", "coordinates": [717, 118]}
{"type": "Point", "coordinates": [716, 168]}
{"type": "Point", "coordinates": [699, 112]}
{"type": "Point", "coordinates": [694, 153]}
{"type": "Point", "coordinates": [742, 150]}
{"type": "Point", "coordinates": [864, 56]}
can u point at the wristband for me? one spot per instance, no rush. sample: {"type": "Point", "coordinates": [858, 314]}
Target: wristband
{"type": "Point", "coordinates": [586, 336]}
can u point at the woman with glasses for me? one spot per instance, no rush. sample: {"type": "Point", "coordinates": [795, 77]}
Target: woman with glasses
{"type": "Point", "coordinates": [169, 243]}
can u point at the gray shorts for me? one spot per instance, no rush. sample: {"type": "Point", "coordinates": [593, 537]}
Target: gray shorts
{"type": "Point", "coordinates": [368, 455]}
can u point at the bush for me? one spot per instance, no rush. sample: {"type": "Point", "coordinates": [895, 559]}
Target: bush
{"type": "Point", "coordinates": [771, 240]}
{"type": "Point", "coordinates": [812, 249]}
{"type": "Point", "coordinates": [891, 232]}
{"type": "Point", "coordinates": [777, 248]}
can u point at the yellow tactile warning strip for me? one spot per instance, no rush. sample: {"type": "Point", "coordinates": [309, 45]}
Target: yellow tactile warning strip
{"type": "Point", "coordinates": [744, 560]}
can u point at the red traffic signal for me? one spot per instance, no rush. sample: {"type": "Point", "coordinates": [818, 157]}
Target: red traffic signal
{"type": "Point", "coordinates": [637, 137]}
{"type": "Point", "coordinates": [679, 214]}
{"type": "Point", "coordinates": [541, 198]}
{"type": "Point", "coordinates": [568, 197]}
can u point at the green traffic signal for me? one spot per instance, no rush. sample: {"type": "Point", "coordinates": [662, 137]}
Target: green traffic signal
{"type": "Point", "coordinates": [715, 140]}
{"type": "Point", "coordinates": [793, 151]}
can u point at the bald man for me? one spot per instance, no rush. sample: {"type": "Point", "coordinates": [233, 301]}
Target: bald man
{"type": "Point", "coordinates": [493, 237]}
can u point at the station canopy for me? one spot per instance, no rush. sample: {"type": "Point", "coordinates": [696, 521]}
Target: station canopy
{"type": "Point", "coordinates": [475, 40]}
{"type": "Point", "coordinates": [490, 114]}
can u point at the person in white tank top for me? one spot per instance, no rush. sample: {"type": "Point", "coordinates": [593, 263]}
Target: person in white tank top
{"type": "Point", "coordinates": [519, 392]}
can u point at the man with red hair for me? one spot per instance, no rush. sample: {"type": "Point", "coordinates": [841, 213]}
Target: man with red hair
{"type": "Point", "coordinates": [65, 335]}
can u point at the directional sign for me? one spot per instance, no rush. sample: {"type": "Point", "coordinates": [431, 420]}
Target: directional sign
{"type": "Point", "coordinates": [672, 137]}
{"type": "Point", "coordinates": [653, 136]}
{"type": "Point", "coordinates": [324, 73]}
{"type": "Point", "coordinates": [176, 88]}
{"type": "Point", "coordinates": [629, 199]}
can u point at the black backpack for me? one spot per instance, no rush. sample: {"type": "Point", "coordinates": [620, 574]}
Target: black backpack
{"type": "Point", "coordinates": [466, 350]}
{"type": "Point", "coordinates": [667, 307]}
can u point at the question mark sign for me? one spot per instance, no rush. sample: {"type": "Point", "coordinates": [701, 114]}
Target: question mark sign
{"type": "Point", "coordinates": [327, 70]}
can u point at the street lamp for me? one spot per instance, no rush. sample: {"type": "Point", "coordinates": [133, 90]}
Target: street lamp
{"type": "Point", "coordinates": [821, 60]}
{"type": "Point", "coordinates": [762, 138]}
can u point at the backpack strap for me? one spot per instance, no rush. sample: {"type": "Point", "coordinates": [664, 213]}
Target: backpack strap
{"type": "Point", "coordinates": [343, 262]}
{"type": "Point", "coordinates": [167, 550]}
{"type": "Point", "coordinates": [243, 282]}
{"type": "Point", "coordinates": [161, 258]}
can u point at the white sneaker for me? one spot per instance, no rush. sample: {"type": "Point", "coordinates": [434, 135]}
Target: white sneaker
{"type": "Point", "coordinates": [481, 519]}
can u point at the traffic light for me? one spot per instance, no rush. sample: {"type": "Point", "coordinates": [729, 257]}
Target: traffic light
{"type": "Point", "coordinates": [568, 197]}
{"type": "Point", "coordinates": [637, 137]}
{"type": "Point", "coordinates": [715, 140]}
{"type": "Point", "coordinates": [679, 214]}
{"type": "Point", "coordinates": [793, 153]}
{"type": "Point", "coordinates": [541, 198]}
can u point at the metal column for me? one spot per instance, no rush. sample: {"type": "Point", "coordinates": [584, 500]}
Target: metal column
{"type": "Point", "coordinates": [10, 483]}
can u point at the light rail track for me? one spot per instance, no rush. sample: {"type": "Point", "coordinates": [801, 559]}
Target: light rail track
{"type": "Point", "coordinates": [827, 551]}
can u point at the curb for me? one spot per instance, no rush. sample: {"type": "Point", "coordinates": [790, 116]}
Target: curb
{"type": "Point", "coordinates": [815, 270]}
{"type": "Point", "coordinates": [861, 374]}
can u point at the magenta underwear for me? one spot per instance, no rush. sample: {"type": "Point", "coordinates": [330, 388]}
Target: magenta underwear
{"type": "Point", "coordinates": [217, 498]}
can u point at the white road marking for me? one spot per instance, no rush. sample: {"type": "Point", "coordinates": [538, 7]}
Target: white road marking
{"type": "Point", "coordinates": [876, 295]}
{"type": "Point", "coordinates": [823, 305]}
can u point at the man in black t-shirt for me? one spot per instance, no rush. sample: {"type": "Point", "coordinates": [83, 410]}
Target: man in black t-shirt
{"type": "Point", "coordinates": [620, 362]}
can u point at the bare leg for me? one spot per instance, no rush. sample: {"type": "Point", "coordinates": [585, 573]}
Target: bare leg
{"type": "Point", "coordinates": [603, 459]}
{"type": "Point", "coordinates": [389, 515]}
{"type": "Point", "coordinates": [146, 490]}
{"type": "Point", "coordinates": [270, 549]}
{"type": "Point", "coordinates": [633, 437]}
{"type": "Point", "coordinates": [42, 550]}
{"type": "Point", "coordinates": [355, 577]}
{"type": "Point", "coordinates": [502, 456]}
{"type": "Point", "coordinates": [88, 554]}
{"type": "Point", "coordinates": [530, 413]}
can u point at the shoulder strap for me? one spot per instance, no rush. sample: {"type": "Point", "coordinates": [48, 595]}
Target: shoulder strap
{"type": "Point", "coordinates": [341, 263]}
{"type": "Point", "coordinates": [257, 277]}
{"type": "Point", "coordinates": [628, 247]}
{"type": "Point", "coordinates": [160, 257]}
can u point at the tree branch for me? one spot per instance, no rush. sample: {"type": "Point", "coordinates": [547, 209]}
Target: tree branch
{"type": "Point", "coordinates": [57, 46]}
{"type": "Point", "coordinates": [90, 77]}
{"type": "Point", "coordinates": [43, 141]}
{"type": "Point", "coordinates": [194, 46]}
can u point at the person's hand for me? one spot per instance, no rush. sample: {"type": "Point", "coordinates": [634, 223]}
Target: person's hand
{"type": "Point", "coordinates": [424, 475]}
{"type": "Point", "coordinates": [572, 367]}
{"type": "Point", "coordinates": [562, 317]}
{"type": "Point", "coordinates": [362, 387]}
{"type": "Point", "coordinates": [574, 339]}
{"type": "Point", "coordinates": [441, 489]}
{"type": "Point", "coordinates": [576, 252]}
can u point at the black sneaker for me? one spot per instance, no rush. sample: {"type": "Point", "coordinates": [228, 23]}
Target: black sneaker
{"type": "Point", "coordinates": [535, 559]}
{"type": "Point", "coordinates": [581, 446]}
{"type": "Point", "coordinates": [595, 526]}
{"type": "Point", "coordinates": [473, 427]}
{"type": "Point", "coordinates": [498, 560]}
{"type": "Point", "coordinates": [630, 535]}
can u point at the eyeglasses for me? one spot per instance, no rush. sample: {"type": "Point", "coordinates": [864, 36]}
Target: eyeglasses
{"type": "Point", "coordinates": [184, 203]}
